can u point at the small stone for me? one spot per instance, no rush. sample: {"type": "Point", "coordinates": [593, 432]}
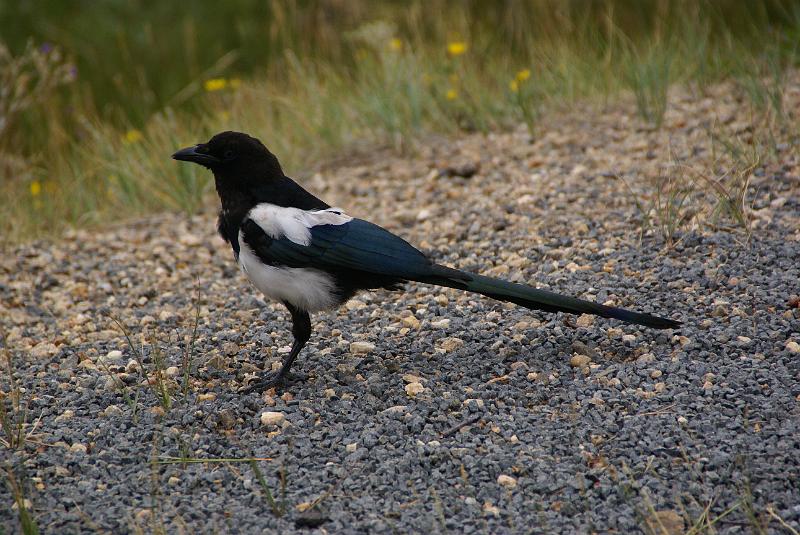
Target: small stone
{"type": "Point", "coordinates": [792, 346]}
{"type": "Point", "coordinates": [646, 358]}
{"type": "Point", "coordinates": [744, 340]}
{"type": "Point", "coordinates": [532, 376]}
{"type": "Point", "coordinates": [585, 320]}
{"type": "Point", "coordinates": [506, 481]}
{"type": "Point", "coordinates": [579, 361]}
{"type": "Point", "coordinates": [143, 516]}
{"type": "Point", "coordinates": [490, 509]}
{"type": "Point", "coordinates": [441, 324]}
{"type": "Point", "coordinates": [682, 420]}
{"type": "Point", "coordinates": [87, 364]}
{"type": "Point", "coordinates": [112, 356]}
{"type": "Point", "coordinates": [226, 418]}
{"type": "Point", "coordinates": [210, 396]}
{"type": "Point", "coordinates": [230, 348]}
{"type": "Point", "coordinates": [303, 506]}
{"type": "Point", "coordinates": [329, 393]}
{"type": "Point", "coordinates": [165, 315]}
{"type": "Point", "coordinates": [411, 378]}
{"type": "Point", "coordinates": [172, 371]}
{"type": "Point", "coordinates": [43, 350]}
{"type": "Point", "coordinates": [451, 344]}
{"type": "Point", "coordinates": [413, 389]}
{"type": "Point", "coordinates": [353, 446]}
{"type": "Point", "coordinates": [78, 448]}
{"type": "Point", "coordinates": [112, 410]}
{"type": "Point", "coordinates": [355, 304]}
{"type": "Point", "coordinates": [272, 418]}
{"type": "Point", "coordinates": [359, 348]}
{"type": "Point", "coordinates": [667, 522]}
{"type": "Point", "coordinates": [655, 374]}
{"type": "Point", "coordinates": [719, 311]}
{"type": "Point", "coordinates": [66, 415]}
{"type": "Point", "coordinates": [660, 387]}
{"type": "Point", "coordinates": [628, 338]}
{"type": "Point", "coordinates": [411, 322]}
{"type": "Point", "coordinates": [708, 385]}
{"type": "Point", "coordinates": [173, 481]}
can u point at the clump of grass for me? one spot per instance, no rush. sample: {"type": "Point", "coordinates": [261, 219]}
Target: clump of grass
{"type": "Point", "coordinates": [16, 488]}
{"type": "Point", "coordinates": [647, 75]}
{"type": "Point", "coordinates": [188, 352]}
{"type": "Point", "coordinates": [277, 509]}
{"type": "Point", "coordinates": [156, 378]}
{"type": "Point", "coordinates": [16, 430]}
{"type": "Point", "coordinates": [131, 400]}
{"type": "Point", "coordinates": [716, 195]}
{"type": "Point", "coordinates": [30, 81]}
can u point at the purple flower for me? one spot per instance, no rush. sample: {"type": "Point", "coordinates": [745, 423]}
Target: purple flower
{"type": "Point", "coordinates": [46, 47]}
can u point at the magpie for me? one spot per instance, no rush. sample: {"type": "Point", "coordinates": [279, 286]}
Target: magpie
{"type": "Point", "coordinates": [310, 256]}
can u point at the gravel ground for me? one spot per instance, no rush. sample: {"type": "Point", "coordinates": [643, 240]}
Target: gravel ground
{"type": "Point", "coordinates": [430, 410]}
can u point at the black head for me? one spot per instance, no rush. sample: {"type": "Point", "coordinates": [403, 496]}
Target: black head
{"type": "Point", "coordinates": [233, 156]}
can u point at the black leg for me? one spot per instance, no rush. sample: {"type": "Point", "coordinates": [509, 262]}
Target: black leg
{"type": "Point", "coordinates": [301, 330]}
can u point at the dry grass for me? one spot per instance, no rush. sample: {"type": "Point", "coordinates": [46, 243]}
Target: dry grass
{"type": "Point", "coordinates": [367, 74]}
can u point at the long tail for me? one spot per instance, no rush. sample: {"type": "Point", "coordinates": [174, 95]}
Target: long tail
{"type": "Point", "coordinates": [535, 299]}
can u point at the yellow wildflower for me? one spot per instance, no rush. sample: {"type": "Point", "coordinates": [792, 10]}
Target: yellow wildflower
{"type": "Point", "coordinates": [215, 84]}
{"type": "Point", "coordinates": [456, 48]}
{"type": "Point", "coordinates": [396, 44]}
{"type": "Point", "coordinates": [451, 94]}
{"type": "Point", "coordinates": [236, 83]}
{"type": "Point", "coordinates": [36, 188]}
{"type": "Point", "coordinates": [523, 75]}
{"type": "Point", "coordinates": [513, 85]}
{"type": "Point", "coordinates": [132, 136]}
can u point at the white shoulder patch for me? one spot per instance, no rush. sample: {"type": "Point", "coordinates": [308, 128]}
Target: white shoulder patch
{"type": "Point", "coordinates": [294, 223]}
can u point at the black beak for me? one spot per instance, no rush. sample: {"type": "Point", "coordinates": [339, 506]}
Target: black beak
{"type": "Point", "coordinates": [196, 154]}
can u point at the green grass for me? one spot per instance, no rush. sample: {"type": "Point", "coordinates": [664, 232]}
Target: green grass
{"type": "Point", "coordinates": [17, 433]}
{"type": "Point", "coordinates": [87, 137]}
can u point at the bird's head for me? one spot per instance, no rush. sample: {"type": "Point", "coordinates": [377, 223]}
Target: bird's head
{"type": "Point", "coordinates": [234, 158]}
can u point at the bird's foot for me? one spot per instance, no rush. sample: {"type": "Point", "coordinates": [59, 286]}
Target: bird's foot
{"type": "Point", "coordinates": [267, 380]}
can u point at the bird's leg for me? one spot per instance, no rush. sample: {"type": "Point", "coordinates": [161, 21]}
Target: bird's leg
{"type": "Point", "coordinates": [301, 330]}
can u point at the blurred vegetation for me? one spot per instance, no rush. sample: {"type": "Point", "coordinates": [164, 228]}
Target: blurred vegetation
{"type": "Point", "coordinates": [96, 95]}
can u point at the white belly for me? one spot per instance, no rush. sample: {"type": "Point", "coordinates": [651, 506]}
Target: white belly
{"type": "Point", "coordinates": [306, 288]}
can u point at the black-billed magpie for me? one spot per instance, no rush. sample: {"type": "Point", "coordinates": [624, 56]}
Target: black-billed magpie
{"type": "Point", "coordinates": [300, 251]}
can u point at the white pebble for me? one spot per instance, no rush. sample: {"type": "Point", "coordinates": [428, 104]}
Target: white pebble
{"type": "Point", "coordinates": [272, 418]}
{"type": "Point", "coordinates": [506, 481]}
{"type": "Point", "coordinates": [412, 389]}
{"type": "Point", "coordinates": [361, 347]}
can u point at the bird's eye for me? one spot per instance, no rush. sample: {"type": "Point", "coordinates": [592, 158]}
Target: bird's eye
{"type": "Point", "coordinates": [229, 154]}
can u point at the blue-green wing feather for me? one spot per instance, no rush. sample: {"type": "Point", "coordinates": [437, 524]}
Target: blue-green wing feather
{"type": "Point", "coordinates": [354, 246]}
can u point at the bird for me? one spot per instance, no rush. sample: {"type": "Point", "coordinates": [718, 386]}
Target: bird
{"type": "Point", "coordinates": [298, 250]}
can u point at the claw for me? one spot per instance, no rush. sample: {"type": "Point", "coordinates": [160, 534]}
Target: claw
{"type": "Point", "coordinates": [264, 382]}
{"type": "Point", "coordinates": [269, 380]}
